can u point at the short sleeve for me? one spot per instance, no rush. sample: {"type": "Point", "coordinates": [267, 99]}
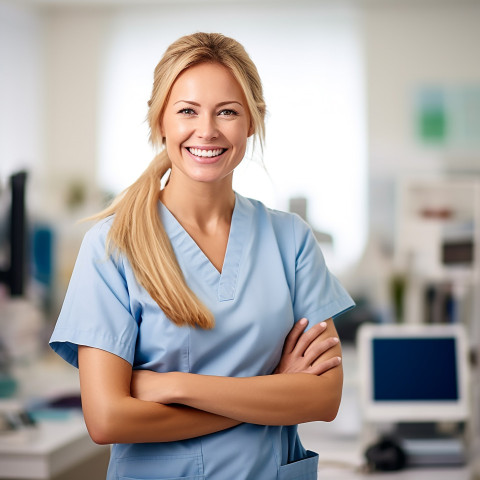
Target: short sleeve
{"type": "Point", "coordinates": [318, 294]}
{"type": "Point", "coordinates": [96, 310]}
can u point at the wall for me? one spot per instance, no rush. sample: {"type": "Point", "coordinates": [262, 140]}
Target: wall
{"type": "Point", "coordinates": [21, 88]}
{"type": "Point", "coordinates": [409, 44]}
{"type": "Point", "coordinates": [50, 61]}
{"type": "Point", "coordinates": [74, 41]}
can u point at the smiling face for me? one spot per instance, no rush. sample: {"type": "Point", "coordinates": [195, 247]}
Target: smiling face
{"type": "Point", "coordinates": [205, 124]}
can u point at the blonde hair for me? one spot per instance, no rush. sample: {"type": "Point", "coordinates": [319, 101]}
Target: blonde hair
{"type": "Point", "coordinates": [137, 230]}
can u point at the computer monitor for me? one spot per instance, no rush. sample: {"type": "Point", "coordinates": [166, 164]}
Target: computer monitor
{"type": "Point", "coordinates": [13, 237]}
{"type": "Point", "coordinates": [413, 373]}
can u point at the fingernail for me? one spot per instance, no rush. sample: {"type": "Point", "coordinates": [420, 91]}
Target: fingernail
{"type": "Point", "coordinates": [323, 324]}
{"type": "Point", "coordinates": [339, 359]}
{"type": "Point", "coordinates": [303, 321]}
{"type": "Point", "coordinates": [335, 339]}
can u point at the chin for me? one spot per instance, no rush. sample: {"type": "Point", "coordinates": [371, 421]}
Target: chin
{"type": "Point", "coordinates": [205, 176]}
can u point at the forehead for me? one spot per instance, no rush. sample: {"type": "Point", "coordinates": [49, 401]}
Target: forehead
{"type": "Point", "coordinates": [207, 81]}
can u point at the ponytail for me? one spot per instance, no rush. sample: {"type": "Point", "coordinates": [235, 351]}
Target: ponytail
{"type": "Point", "coordinates": [137, 232]}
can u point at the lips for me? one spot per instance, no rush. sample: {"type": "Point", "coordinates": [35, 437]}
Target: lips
{"type": "Point", "coordinates": [206, 152]}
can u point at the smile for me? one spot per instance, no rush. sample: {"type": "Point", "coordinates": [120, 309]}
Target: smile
{"type": "Point", "coordinates": [198, 152]}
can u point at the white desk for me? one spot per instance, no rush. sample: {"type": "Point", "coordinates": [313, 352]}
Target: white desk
{"type": "Point", "coordinates": [341, 459]}
{"type": "Point", "coordinates": [53, 446]}
{"type": "Point", "coordinates": [47, 450]}
{"type": "Point", "coordinates": [408, 474]}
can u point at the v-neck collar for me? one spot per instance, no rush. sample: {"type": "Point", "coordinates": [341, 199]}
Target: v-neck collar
{"type": "Point", "coordinates": [191, 256]}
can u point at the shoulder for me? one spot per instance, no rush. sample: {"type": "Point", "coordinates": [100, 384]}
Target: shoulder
{"type": "Point", "coordinates": [278, 216]}
{"type": "Point", "coordinates": [95, 242]}
{"type": "Point", "coordinates": [289, 228]}
{"type": "Point", "coordinates": [98, 232]}
{"type": "Point", "coordinates": [280, 220]}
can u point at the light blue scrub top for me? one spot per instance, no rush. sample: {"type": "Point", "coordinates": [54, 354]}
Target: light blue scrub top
{"type": "Point", "coordinates": [273, 274]}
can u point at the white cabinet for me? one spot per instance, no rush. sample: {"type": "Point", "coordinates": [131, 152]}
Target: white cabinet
{"type": "Point", "coordinates": [438, 249]}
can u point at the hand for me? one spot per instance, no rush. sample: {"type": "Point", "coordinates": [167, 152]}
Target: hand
{"type": "Point", "coordinates": [303, 351]}
{"type": "Point", "coordinates": [153, 386]}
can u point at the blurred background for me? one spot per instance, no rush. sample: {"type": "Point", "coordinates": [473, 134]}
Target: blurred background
{"type": "Point", "coordinates": [373, 136]}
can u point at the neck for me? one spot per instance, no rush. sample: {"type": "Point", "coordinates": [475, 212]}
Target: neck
{"type": "Point", "coordinates": [198, 204]}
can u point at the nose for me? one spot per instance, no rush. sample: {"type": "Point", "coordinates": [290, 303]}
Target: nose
{"type": "Point", "coordinates": [207, 127]}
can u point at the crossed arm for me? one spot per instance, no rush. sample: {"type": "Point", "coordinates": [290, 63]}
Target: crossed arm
{"type": "Point", "coordinates": [125, 406]}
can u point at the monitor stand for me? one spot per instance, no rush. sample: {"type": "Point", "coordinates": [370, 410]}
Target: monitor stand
{"type": "Point", "coordinates": [426, 445]}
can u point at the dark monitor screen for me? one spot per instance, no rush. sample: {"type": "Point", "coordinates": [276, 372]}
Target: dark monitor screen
{"type": "Point", "coordinates": [13, 237]}
{"type": "Point", "coordinates": [414, 369]}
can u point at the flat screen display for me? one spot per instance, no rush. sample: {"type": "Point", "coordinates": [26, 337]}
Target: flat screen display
{"type": "Point", "coordinates": [414, 369]}
{"type": "Point", "coordinates": [414, 372]}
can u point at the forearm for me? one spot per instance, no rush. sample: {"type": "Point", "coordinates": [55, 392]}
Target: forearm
{"type": "Point", "coordinates": [112, 415]}
{"type": "Point", "coordinates": [283, 399]}
{"type": "Point", "coordinates": [129, 420]}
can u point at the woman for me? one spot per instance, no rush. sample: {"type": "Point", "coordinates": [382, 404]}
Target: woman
{"type": "Point", "coordinates": [182, 298]}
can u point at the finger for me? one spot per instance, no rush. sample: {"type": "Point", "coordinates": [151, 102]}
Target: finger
{"type": "Point", "coordinates": [318, 347]}
{"type": "Point", "coordinates": [322, 367]}
{"type": "Point", "coordinates": [308, 337]}
{"type": "Point", "coordinates": [294, 335]}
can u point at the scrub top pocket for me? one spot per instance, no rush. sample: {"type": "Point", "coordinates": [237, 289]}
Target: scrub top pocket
{"type": "Point", "coordinates": [304, 469]}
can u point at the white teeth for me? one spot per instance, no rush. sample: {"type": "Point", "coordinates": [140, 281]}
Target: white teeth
{"type": "Point", "coordinates": [205, 153]}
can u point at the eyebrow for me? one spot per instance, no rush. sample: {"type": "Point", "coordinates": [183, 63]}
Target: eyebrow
{"type": "Point", "coordinates": [221, 104]}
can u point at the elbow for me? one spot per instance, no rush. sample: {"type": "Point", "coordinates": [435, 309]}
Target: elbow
{"type": "Point", "coordinates": [99, 438]}
{"type": "Point", "coordinates": [330, 414]}
{"type": "Point", "coordinates": [100, 432]}
{"type": "Point", "coordinates": [331, 394]}
{"type": "Point", "coordinates": [101, 426]}
{"type": "Point", "coordinates": [325, 410]}
{"type": "Point", "coordinates": [332, 407]}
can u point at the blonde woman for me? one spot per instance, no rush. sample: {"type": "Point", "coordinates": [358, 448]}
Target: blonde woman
{"type": "Point", "coordinates": [188, 306]}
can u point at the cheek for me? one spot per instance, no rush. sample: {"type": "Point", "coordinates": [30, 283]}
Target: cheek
{"type": "Point", "coordinates": [238, 136]}
{"type": "Point", "coordinates": [175, 133]}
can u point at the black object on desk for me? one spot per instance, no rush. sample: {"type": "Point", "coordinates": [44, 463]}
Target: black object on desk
{"type": "Point", "coordinates": [386, 455]}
